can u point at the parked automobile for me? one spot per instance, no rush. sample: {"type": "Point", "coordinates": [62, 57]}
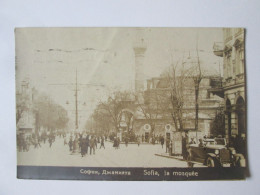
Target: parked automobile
{"type": "Point", "coordinates": [214, 153]}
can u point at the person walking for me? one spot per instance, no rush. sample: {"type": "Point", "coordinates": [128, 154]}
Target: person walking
{"type": "Point", "coordinates": [95, 141]}
{"type": "Point", "coordinates": [118, 142]}
{"type": "Point", "coordinates": [75, 144]}
{"type": "Point", "coordinates": [184, 146]}
{"type": "Point", "coordinates": [70, 143]}
{"type": "Point", "coordinates": [50, 141]}
{"type": "Point", "coordinates": [38, 141]}
{"type": "Point", "coordinates": [65, 141]}
{"type": "Point", "coordinates": [102, 144]}
{"type": "Point", "coordinates": [126, 141]}
{"type": "Point", "coordinates": [92, 145]}
{"type": "Point", "coordinates": [138, 141]}
{"type": "Point", "coordinates": [162, 141]}
{"type": "Point", "coordinates": [83, 146]}
{"type": "Point", "coordinates": [87, 144]}
{"type": "Point", "coordinates": [167, 144]}
{"type": "Point", "coordinates": [115, 143]}
{"type": "Point", "coordinates": [79, 140]}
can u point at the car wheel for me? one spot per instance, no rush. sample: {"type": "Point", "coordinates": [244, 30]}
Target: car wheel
{"type": "Point", "coordinates": [210, 162]}
{"type": "Point", "coordinates": [190, 164]}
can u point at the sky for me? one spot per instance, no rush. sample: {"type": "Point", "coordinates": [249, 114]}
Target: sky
{"type": "Point", "coordinates": [103, 59]}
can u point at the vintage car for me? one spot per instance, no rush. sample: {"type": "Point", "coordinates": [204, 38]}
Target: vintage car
{"type": "Point", "coordinates": [214, 153]}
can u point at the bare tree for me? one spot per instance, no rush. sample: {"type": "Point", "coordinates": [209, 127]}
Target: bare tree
{"type": "Point", "coordinates": [49, 114]}
{"type": "Point", "coordinates": [101, 120]}
{"type": "Point", "coordinates": [129, 120]}
{"type": "Point", "coordinates": [150, 108]}
{"type": "Point", "coordinates": [114, 105]}
{"type": "Point", "coordinates": [197, 79]}
{"type": "Point", "coordinates": [177, 77]}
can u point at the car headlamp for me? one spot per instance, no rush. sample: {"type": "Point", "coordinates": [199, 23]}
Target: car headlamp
{"type": "Point", "coordinates": [216, 152]}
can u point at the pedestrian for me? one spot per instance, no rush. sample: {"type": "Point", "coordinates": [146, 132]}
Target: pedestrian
{"type": "Point", "coordinates": [34, 142]}
{"type": "Point", "coordinates": [44, 136]}
{"type": "Point", "coordinates": [92, 145]}
{"type": "Point", "coordinates": [162, 141]}
{"type": "Point", "coordinates": [75, 144]}
{"type": "Point", "coordinates": [201, 143]}
{"type": "Point", "coordinates": [115, 143]}
{"type": "Point", "coordinates": [65, 141]}
{"type": "Point", "coordinates": [70, 143]}
{"type": "Point", "coordinates": [192, 141]}
{"type": "Point", "coordinates": [50, 141]}
{"type": "Point", "coordinates": [184, 146]}
{"type": "Point", "coordinates": [87, 143]}
{"type": "Point", "coordinates": [80, 139]}
{"type": "Point", "coordinates": [38, 142]}
{"type": "Point", "coordinates": [153, 140]}
{"type": "Point", "coordinates": [118, 142]}
{"type": "Point", "coordinates": [102, 143]}
{"type": "Point", "coordinates": [26, 144]}
{"type": "Point", "coordinates": [167, 144]}
{"type": "Point", "coordinates": [95, 141]}
{"type": "Point", "coordinates": [138, 141]}
{"type": "Point", "coordinates": [83, 146]}
{"type": "Point", "coordinates": [126, 141]}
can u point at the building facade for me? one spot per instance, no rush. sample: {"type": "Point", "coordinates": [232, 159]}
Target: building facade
{"type": "Point", "coordinates": [158, 90]}
{"type": "Point", "coordinates": [25, 117]}
{"type": "Point", "coordinates": [234, 82]}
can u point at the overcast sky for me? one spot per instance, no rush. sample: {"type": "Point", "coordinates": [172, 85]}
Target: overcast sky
{"type": "Point", "coordinates": [104, 58]}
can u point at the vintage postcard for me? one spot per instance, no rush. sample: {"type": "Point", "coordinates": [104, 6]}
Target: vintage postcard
{"type": "Point", "coordinates": [131, 103]}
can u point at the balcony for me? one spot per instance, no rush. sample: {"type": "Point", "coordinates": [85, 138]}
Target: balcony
{"type": "Point", "coordinates": [218, 49]}
{"type": "Point", "coordinates": [216, 87]}
{"type": "Point", "coordinates": [240, 78]}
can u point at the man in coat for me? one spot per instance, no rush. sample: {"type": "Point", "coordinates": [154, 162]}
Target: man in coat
{"type": "Point", "coordinates": [92, 145]}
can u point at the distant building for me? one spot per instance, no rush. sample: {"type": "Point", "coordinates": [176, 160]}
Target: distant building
{"type": "Point", "coordinates": [209, 104]}
{"type": "Point", "coordinates": [25, 118]}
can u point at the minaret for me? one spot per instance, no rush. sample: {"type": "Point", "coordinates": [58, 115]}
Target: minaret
{"type": "Point", "coordinates": [139, 50]}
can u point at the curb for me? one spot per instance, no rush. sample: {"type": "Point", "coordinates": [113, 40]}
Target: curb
{"type": "Point", "coordinates": [172, 157]}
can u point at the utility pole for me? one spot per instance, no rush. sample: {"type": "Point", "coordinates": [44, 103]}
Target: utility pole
{"type": "Point", "coordinates": [76, 101]}
{"type": "Point", "coordinates": [76, 89]}
{"type": "Point", "coordinates": [197, 81]}
{"type": "Point", "coordinates": [59, 50]}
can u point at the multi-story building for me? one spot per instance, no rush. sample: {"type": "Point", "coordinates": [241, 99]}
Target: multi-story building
{"type": "Point", "coordinates": [232, 51]}
{"type": "Point", "coordinates": [25, 118]}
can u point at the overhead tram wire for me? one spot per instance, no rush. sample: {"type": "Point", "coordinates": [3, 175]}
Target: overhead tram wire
{"type": "Point", "coordinates": [76, 83]}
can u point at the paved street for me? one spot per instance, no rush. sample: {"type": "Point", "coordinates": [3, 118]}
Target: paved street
{"type": "Point", "coordinates": [131, 156]}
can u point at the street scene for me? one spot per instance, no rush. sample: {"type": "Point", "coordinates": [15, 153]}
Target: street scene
{"type": "Point", "coordinates": [60, 154]}
{"type": "Point", "coordinates": [131, 97]}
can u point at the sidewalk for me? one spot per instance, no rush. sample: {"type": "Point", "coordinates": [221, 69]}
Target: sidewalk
{"type": "Point", "coordinates": [166, 155]}
{"type": "Point", "coordinates": [141, 143]}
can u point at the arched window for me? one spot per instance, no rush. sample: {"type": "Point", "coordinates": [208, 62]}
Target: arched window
{"type": "Point", "coordinates": [240, 110]}
{"type": "Point", "coordinates": [239, 56]}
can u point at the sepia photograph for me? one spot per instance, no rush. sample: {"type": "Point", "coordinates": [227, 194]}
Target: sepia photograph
{"type": "Point", "coordinates": [131, 103]}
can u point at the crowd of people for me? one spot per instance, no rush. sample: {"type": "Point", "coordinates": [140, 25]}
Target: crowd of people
{"type": "Point", "coordinates": [26, 141]}
{"type": "Point", "coordinates": [84, 143]}
{"type": "Point", "coordinates": [76, 142]}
